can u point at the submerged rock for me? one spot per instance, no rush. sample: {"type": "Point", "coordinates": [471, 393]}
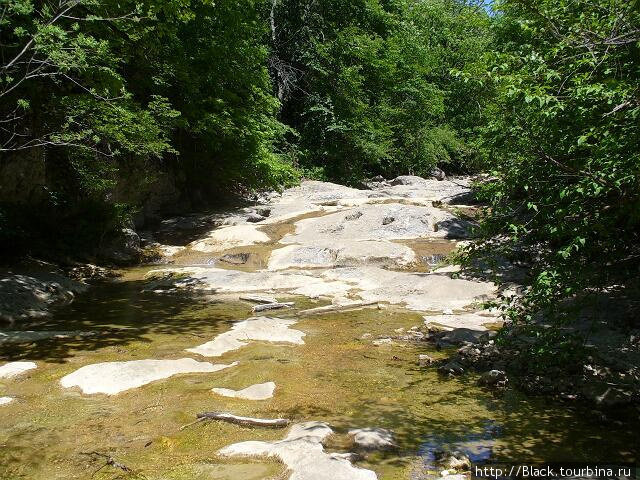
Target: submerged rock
{"type": "Point", "coordinates": [116, 377]}
{"type": "Point", "coordinates": [6, 400]}
{"type": "Point", "coordinates": [259, 391]}
{"type": "Point", "coordinates": [13, 369]}
{"type": "Point", "coordinates": [372, 438]}
{"type": "Point", "coordinates": [302, 452]}
{"type": "Point", "coordinates": [425, 360]}
{"type": "Point", "coordinates": [264, 329]}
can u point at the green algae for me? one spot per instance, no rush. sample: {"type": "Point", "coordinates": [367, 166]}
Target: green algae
{"type": "Point", "coordinates": [337, 376]}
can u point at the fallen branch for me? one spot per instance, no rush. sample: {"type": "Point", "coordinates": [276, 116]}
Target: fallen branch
{"type": "Point", "coordinates": [244, 421]}
{"type": "Point", "coordinates": [109, 462]}
{"type": "Point", "coordinates": [258, 299]}
{"type": "Point", "coordinates": [338, 308]}
{"type": "Point", "coordinates": [271, 306]}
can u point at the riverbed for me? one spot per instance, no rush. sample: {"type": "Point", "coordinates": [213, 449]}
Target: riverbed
{"type": "Point", "coordinates": [354, 367]}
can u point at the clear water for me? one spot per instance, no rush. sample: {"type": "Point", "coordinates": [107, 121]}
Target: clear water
{"type": "Point", "coordinates": [336, 376]}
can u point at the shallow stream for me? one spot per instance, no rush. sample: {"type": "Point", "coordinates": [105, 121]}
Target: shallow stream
{"type": "Point", "coordinates": [337, 376]}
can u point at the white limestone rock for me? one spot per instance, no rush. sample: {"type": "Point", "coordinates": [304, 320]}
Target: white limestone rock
{"type": "Point", "coordinates": [259, 391]}
{"type": "Point", "coordinates": [346, 253]}
{"type": "Point", "coordinates": [115, 377]}
{"type": "Point", "coordinates": [372, 438]}
{"type": "Point", "coordinates": [302, 452]}
{"type": "Point", "coordinates": [372, 224]}
{"type": "Point", "coordinates": [265, 329]}
{"type": "Point", "coordinates": [472, 321]}
{"type": "Point", "coordinates": [6, 400]}
{"type": "Point", "coordinates": [230, 236]}
{"type": "Point", "coordinates": [13, 369]}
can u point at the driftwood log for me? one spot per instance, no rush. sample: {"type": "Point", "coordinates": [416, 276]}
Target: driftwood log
{"type": "Point", "coordinates": [271, 306]}
{"type": "Point", "coordinates": [338, 308]}
{"type": "Point", "coordinates": [245, 421]}
{"type": "Point", "coordinates": [258, 299]}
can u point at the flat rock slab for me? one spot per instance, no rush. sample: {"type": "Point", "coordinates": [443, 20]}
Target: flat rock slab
{"type": "Point", "coordinates": [227, 237]}
{"type": "Point", "coordinates": [370, 222]}
{"type": "Point", "coordinates": [303, 454]}
{"type": "Point", "coordinates": [415, 291]}
{"type": "Point", "coordinates": [115, 377]}
{"type": "Point", "coordinates": [6, 400]}
{"type": "Point", "coordinates": [233, 281]}
{"type": "Point", "coordinates": [13, 369]}
{"type": "Point", "coordinates": [259, 391]}
{"type": "Point", "coordinates": [346, 253]}
{"type": "Point", "coordinates": [472, 321]}
{"type": "Point", "coordinates": [265, 329]}
{"type": "Point", "coordinates": [372, 438]}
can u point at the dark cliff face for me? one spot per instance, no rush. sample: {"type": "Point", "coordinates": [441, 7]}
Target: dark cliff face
{"type": "Point", "coordinates": [45, 206]}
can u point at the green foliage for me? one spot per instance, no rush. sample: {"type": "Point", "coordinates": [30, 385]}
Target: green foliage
{"type": "Point", "coordinates": [565, 147]}
{"type": "Point", "coordinates": [369, 84]}
{"type": "Point", "coordinates": [94, 86]}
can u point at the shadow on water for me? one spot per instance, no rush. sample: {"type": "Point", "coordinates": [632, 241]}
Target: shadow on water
{"type": "Point", "coordinates": [116, 314]}
{"type": "Point", "coordinates": [337, 376]}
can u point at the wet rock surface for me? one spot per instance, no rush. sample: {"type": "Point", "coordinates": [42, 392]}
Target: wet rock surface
{"type": "Point", "coordinates": [303, 454]}
{"type": "Point", "coordinates": [26, 296]}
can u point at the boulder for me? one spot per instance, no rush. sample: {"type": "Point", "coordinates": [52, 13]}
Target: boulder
{"type": "Point", "coordinates": [263, 211]}
{"type": "Point", "coordinates": [455, 228]}
{"type": "Point", "coordinates": [255, 218]}
{"type": "Point", "coordinates": [29, 296]}
{"type": "Point", "coordinates": [493, 378]}
{"type": "Point", "coordinates": [438, 174]}
{"type": "Point", "coordinates": [408, 180]}
{"type": "Point", "coordinates": [123, 249]}
{"type": "Point", "coordinates": [453, 461]}
{"type": "Point", "coordinates": [459, 336]}
{"type": "Point", "coordinates": [451, 368]}
{"type": "Point", "coordinates": [425, 360]}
